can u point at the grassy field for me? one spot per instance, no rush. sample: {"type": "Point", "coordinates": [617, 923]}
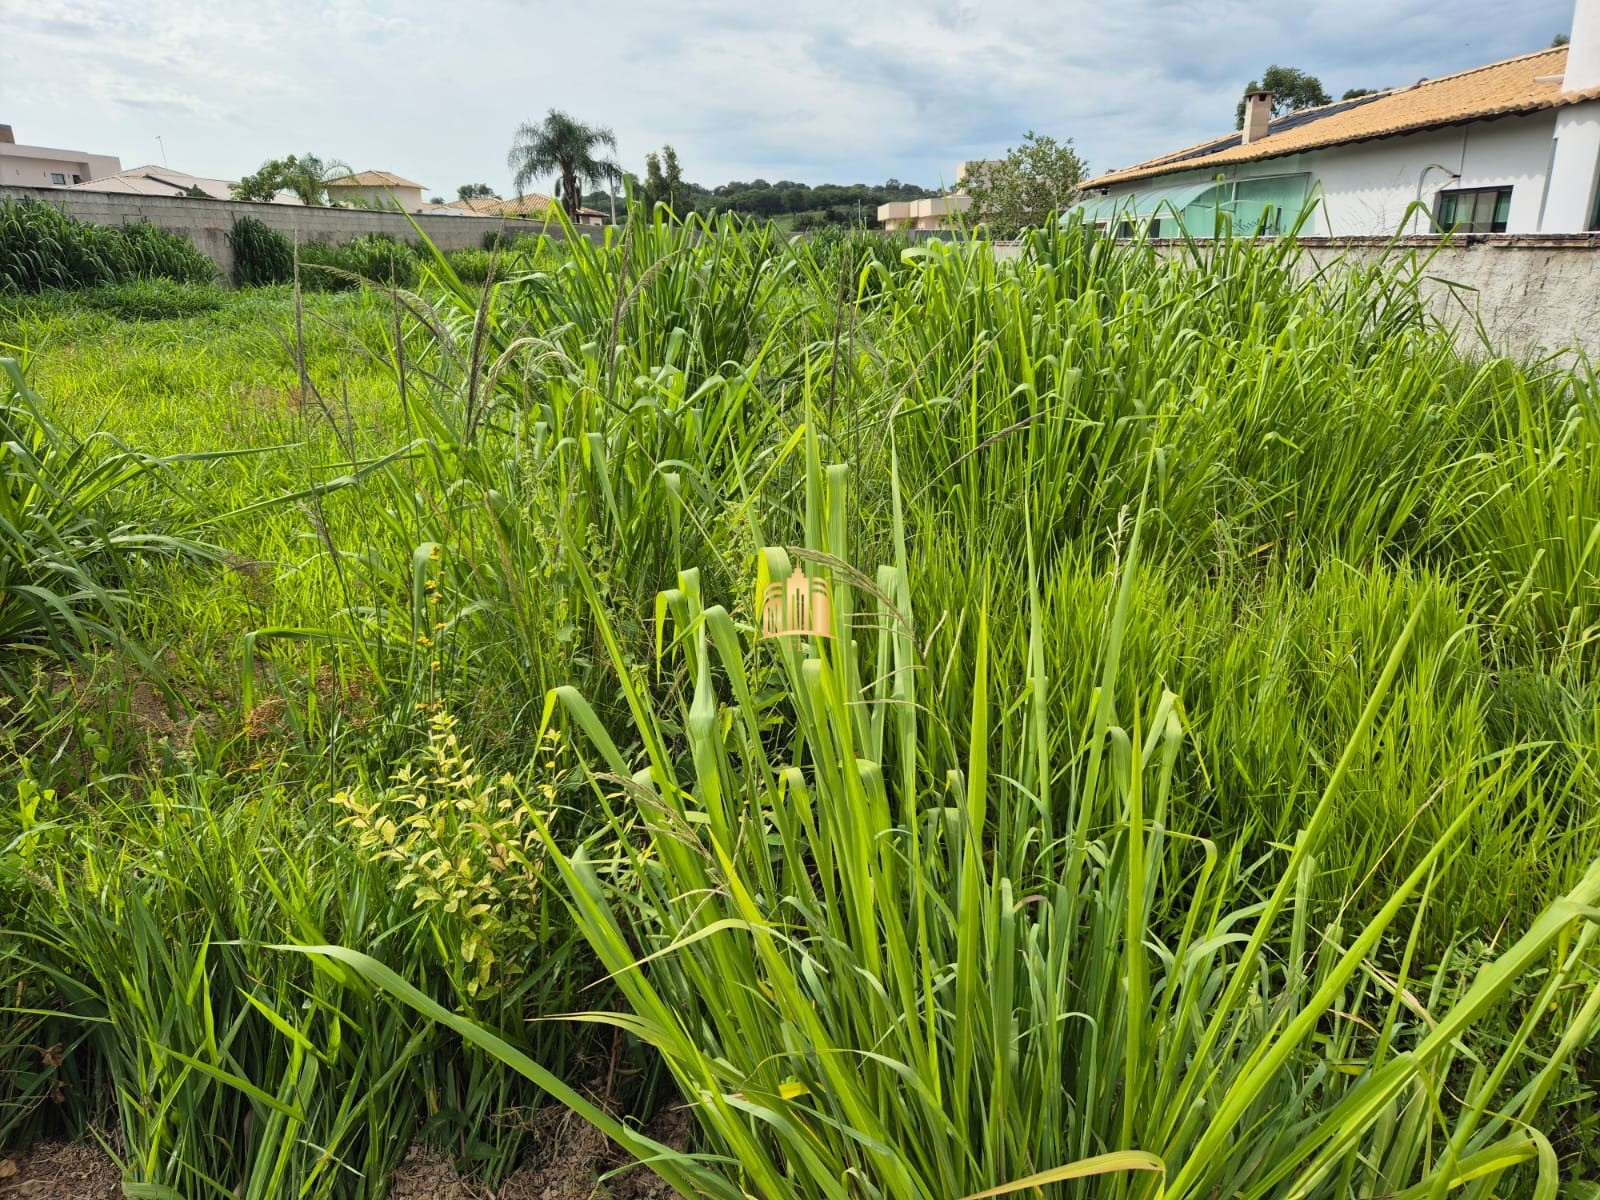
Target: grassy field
{"type": "Point", "coordinates": [1191, 794]}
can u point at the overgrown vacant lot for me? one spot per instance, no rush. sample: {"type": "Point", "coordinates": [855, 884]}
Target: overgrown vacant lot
{"type": "Point", "coordinates": [1191, 795]}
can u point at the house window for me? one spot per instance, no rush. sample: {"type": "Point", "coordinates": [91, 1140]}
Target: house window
{"type": "Point", "coordinates": [76, 178]}
{"type": "Point", "coordinates": [57, 178]}
{"type": "Point", "coordinates": [1474, 210]}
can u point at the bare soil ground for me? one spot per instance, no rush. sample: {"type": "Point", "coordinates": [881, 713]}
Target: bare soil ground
{"type": "Point", "coordinates": [60, 1171]}
{"type": "Point", "coordinates": [567, 1163]}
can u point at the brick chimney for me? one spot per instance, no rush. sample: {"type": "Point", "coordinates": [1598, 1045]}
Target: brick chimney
{"type": "Point", "coordinates": [7, 138]}
{"type": "Point", "coordinates": [1569, 198]}
{"type": "Point", "coordinates": [1257, 115]}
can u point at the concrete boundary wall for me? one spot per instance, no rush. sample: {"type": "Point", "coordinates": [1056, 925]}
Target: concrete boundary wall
{"type": "Point", "coordinates": [206, 222]}
{"type": "Point", "coordinates": [1531, 292]}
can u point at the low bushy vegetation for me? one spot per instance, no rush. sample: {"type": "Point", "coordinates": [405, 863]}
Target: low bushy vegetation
{"type": "Point", "coordinates": [261, 255]}
{"type": "Point", "coordinates": [153, 299]}
{"type": "Point", "coordinates": [1187, 795]}
{"type": "Point", "coordinates": [42, 247]}
{"type": "Point", "coordinates": [470, 266]}
{"type": "Point", "coordinates": [373, 258]}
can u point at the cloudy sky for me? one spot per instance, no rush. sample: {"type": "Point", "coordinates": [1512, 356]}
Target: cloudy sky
{"type": "Point", "coordinates": [819, 91]}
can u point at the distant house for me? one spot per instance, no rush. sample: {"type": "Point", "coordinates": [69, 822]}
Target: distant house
{"type": "Point", "coordinates": [474, 207]}
{"type": "Point", "coordinates": [44, 166]}
{"type": "Point", "coordinates": [934, 212]}
{"type": "Point", "coordinates": [535, 206]}
{"type": "Point", "coordinates": [1512, 147]}
{"type": "Point", "coordinates": [163, 181]}
{"type": "Point", "coordinates": [376, 189]}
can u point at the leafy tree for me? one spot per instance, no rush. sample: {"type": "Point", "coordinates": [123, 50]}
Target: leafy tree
{"type": "Point", "coordinates": [305, 175]}
{"type": "Point", "coordinates": [476, 191]}
{"type": "Point", "coordinates": [1357, 93]}
{"type": "Point", "coordinates": [567, 146]}
{"type": "Point", "coordinates": [1020, 191]}
{"type": "Point", "coordinates": [663, 180]}
{"type": "Point", "coordinates": [1291, 89]}
{"type": "Point", "coordinates": [1560, 39]}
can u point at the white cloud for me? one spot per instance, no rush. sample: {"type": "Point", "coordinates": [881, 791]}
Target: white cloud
{"type": "Point", "coordinates": [839, 90]}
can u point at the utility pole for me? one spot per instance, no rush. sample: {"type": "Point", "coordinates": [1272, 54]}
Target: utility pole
{"type": "Point", "coordinates": [163, 146]}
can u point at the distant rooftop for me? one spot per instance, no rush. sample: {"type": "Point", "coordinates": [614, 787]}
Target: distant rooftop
{"type": "Point", "coordinates": [373, 179]}
{"type": "Point", "coordinates": [532, 204]}
{"type": "Point", "coordinates": [151, 180]}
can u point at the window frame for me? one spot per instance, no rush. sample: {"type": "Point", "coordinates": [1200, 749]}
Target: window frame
{"type": "Point", "coordinates": [58, 179]}
{"type": "Point", "coordinates": [1452, 196]}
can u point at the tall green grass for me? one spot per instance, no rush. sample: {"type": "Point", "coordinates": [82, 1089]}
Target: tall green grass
{"type": "Point", "coordinates": [42, 247]}
{"type": "Point", "coordinates": [1201, 774]}
{"type": "Point", "coordinates": [74, 515]}
{"type": "Point", "coordinates": [261, 255]}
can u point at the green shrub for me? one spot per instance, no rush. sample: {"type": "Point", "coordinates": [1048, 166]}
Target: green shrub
{"type": "Point", "coordinates": [261, 255]}
{"type": "Point", "coordinates": [42, 247]}
{"type": "Point", "coordinates": [151, 253]}
{"type": "Point", "coordinates": [154, 299]}
{"type": "Point", "coordinates": [471, 266]}
{"type": "Point", "coordinates": [373, 258]}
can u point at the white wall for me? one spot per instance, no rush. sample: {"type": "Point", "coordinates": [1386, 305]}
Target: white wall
{"type": "Point", "coordinates": [1367, 186]}
{"type": "Point", "coordinates": [376, 196]}
{"type": "Point", "coordinates": [32, 166]}
{"type": "Point", "coordinates": [1575, 169]}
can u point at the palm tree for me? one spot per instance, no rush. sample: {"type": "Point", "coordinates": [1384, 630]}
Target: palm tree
{"type": "Point", "coordinates": [307, 176]}
{"type": "Point", "coordinates": [567, 146]}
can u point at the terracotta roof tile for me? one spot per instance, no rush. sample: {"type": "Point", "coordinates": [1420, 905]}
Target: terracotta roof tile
{"type": "Point", "coordinates": [1524, 84]}
{"type": "Point", "coordinates": [373, 179]}
{"type": "Point", "coordinates": [475, 204]}
{"type": "Point", "coordinates": [532, 204]}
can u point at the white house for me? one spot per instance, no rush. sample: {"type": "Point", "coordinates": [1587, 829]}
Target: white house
{"type": "Point", "coordinates": [46, 166]}
{"type": "Point", "coordinates": [376, 189]}
{"type": "Point", "coordinates": [1512, 147]}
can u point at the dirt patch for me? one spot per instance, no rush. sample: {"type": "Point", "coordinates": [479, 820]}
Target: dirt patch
{"type": "Point", "coordinates": [60, 1171]}
{"type": "Point", "coordinates": [567, 1159]}
{"type": "Point", "coordinates": [149, 708]}
{"type": "Point", "coordinates": [673, 1127]}
{"type": "Point", "coordinates": [423, 1175]}
{"type": "Point", "coordinates": [566, 1162]}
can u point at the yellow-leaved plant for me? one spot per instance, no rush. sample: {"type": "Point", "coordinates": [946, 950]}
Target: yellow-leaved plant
{"type": "Point", "coordinates": [466, 848]}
